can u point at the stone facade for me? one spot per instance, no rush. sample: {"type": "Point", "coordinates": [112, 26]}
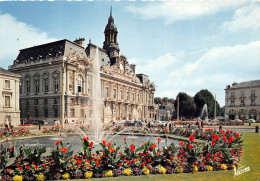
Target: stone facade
{"type": "Point", "coordinates": [9, 98]}
{"type": "Point", "coordinates": [243, 100]}
{"type": "Point", "coordinates": [64, 70]}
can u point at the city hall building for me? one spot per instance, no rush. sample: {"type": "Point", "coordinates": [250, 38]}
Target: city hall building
{"type": "Point", "coordinates": [62, 72]}
{"type": "Point", "coordinates": [243, 100]}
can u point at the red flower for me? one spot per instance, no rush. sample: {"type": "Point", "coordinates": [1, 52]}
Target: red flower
{"type": "Point", "coordinates": [20, 168]}
{"type": "Point", "coordinates": [44, 165]}
{"type": "Point", "coordinates": [190, 146]}
{"type": "Point", "coordinates": [181, 143]}
{"type": "Point", "coordinates": [132, 147]}
{"type": "Point", "coordinates": [9, 170]}
{"type": "Point", "coordinates": [98, 164]}
{"type": "Point", "coordinates": [36, 167]}
{"type": "Point", "coordinates": [11, 148]}
{"type": "Point", "coordinates": [159, 140]}
{"type": "Point", "coordinates": [143, 164]}
{"type": "Point", "coordinates": [104, 142]}
{"type": "Point", "coordinates": [148, 167]}
{"type": "Point", "coordinates": [91, 145]}
{"type": "Point", "coordinates": [58, 142]}
{"type": "Point", "coordinates": [120, 164]}
{"type": "Point", "coordinates": [237, 135]}
{"type": "Point", "coordinates": [133, 139]}
{"type": "Point", "coordinates": [64, 150]}
{"type": "Point", "coordinates": [28, 166]}
{"type": "Point", "coordinates": [109, 144]}
{"type": "Point", "coordinates": [191, 138]}
{"type": "Point", "coordinates": [124, 138]}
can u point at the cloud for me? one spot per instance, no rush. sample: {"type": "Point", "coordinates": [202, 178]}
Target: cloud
{"type": "Point", "coordinates": [216, 68]}
{"type": "Point", "coordinates": [16, 35]}
{"type": "Point", "coordinates": [247, 17]}
{"type": "Point", "coordinates": [183, 10]}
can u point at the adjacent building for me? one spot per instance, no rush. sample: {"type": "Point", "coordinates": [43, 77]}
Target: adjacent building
{"type": "Point", "coordinates": [9, 98]}
{"type": "Point", "coordinates": [57, 80]}
{"type": "Point", "coordinates": [243, 100]}
{"type": "Point", "coordinates": [165, 111]}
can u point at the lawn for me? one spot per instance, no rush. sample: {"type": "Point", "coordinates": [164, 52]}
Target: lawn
{"type": "Point", "coordinates": [251, 158]}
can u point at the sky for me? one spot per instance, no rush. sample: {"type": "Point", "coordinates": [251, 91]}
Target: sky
{"type": "Point", "coordinates": [183, 46]}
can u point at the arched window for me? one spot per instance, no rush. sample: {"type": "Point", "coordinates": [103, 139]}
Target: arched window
{"type": "Point", "coordinates": [36, 84]}
{"type": "Point", "coordinates": [80, 83]}
{"type": "Point", "coordinates": [55, 77]}
{"type": "Point", "coordinates": [45, 81]}
{"type": "Point", "coordinates": [28, 84]}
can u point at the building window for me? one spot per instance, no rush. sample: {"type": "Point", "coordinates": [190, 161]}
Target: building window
{"type": "Point", "coordinates": [56, 84]}
{"type": "Point", "coordinates": [133, 96]}
{"type": "Point", "coordinates": [106, 92]}
{"type": "Point", "coordinates": [253, 92]}
{"type": "Point", "coordinates": [45, 102]}
{"type": "Point", "coordinates": [55, 101]}
{"type": "Point", "coordinates": [121, 94]}
{"type": "Point", "coordinates": [36, 112]}
{"type": "Point", "coordinates": [242, 101]}
{"type": "Point", "coordinates": [7, 101]}
{"type": "Point", "coordinates": [232, 101]}
{"type": "Point", "coordinates": [45, 85]}
{"type": "Point", "coordinates": [232, 94]}
{"type": "Point", "coordinates": [114, 94]}
{"type": "Point", "coordinates": [55, 112]}
{"type": "Point", "coordinates": [28, 87]}
{"type": "Point", "coordinates": [35, 101]}
{"type": "Point", "coordinates": [72, 113]}
{"type": "Point", "coordinates": [55, 76]}
{"type": "Point", "coordinates": [127, 95]}
{"type": "Point", "coordinates": [82, 113]}
{"type": "Point", "coordinates": [80, 83]}
{"type": "Point", "coordinates": [36, 85]}
{"type": "Point", "coordinates": [242, 93]}
{"type": "Point", "coordinates": [7, 84]}
{"type": "Point", "coordinates": [45, 112]}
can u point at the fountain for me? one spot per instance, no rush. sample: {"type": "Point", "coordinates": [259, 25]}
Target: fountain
{"type": "Point", "coordinates": [204, 109]}
{"type": "Point", "coordinates": [96, 125]}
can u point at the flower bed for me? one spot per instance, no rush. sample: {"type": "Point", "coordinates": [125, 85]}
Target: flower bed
{"type": "Point", "coordinates": [52, 130]}
{"type": "Point", "coordinates": [221, 151]}
{"type": "Point", "coordinates": [8, 132]}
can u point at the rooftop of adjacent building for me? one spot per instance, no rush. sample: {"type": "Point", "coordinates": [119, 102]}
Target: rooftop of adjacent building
{"type": "Point", "coordinates": [251, 83]}
{"type": "Point", "coordinates": [6, 72]}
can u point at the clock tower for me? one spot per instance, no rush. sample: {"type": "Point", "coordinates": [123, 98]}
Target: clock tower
{"type": "Point", "coordinates": [110, 43]}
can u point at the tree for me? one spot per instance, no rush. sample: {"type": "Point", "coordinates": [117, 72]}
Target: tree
{"type": "Point", "coordinates": [186, 105]}
{"type": "Point", "coordinates": [157, 100]}
{"type": "Point", "coordinates": [205, 97]}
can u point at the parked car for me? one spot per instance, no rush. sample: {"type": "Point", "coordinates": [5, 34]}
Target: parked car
{"type": "Point", "coordinates": [129, 123]}
{"type": "Point", "coordinates": [159, 123]}
{"type": "Point", "coordinates": [238, 120]}
{"type": "Point", "coordinates": [250, 121]}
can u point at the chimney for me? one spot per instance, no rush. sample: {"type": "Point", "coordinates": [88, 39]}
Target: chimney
{"type": "Point", "coordinates": [79, 41]}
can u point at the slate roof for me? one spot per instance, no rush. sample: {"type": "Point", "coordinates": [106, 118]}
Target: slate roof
{"type": "Point", "coordinates": [50, 49]}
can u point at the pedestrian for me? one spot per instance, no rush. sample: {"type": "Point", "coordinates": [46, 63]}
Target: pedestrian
{"type": "Point", "coordinates": [39, 126]}
{"type": "Point", "coordinates": [202, 124]}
